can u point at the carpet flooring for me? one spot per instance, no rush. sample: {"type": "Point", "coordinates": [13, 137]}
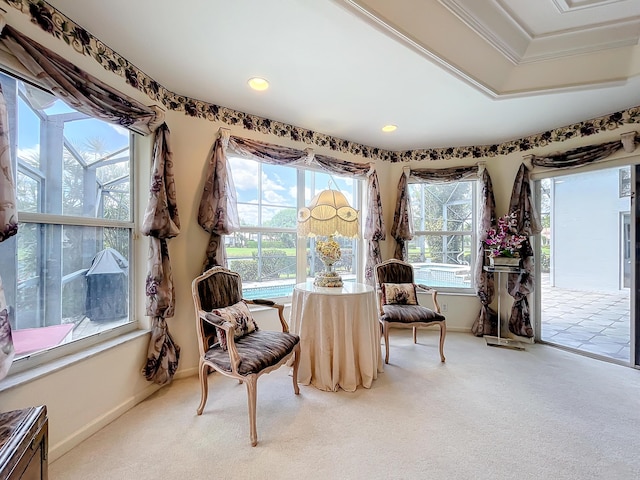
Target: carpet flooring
{"type": "Point", "coordinates": [488, 413]}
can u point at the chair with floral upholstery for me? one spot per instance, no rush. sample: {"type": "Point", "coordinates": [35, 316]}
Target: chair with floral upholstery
{"type": "Point", "coordinates": [398, 303]}
{"type": "Point", "coordinates": [230, 341]}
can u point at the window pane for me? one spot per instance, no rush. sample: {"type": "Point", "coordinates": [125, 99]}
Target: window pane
{"type": "Point", "coordinates": [442, 260]}
{"type": "Point", "coordinates": [278, 185]}
{"type": "Point", "coordinates": [27, 193]}
{"type": "Point", "coordinates": [345, 267]}
{"type": "Point", "coordinates": [85, 168]}
{"type": "Point", "coordinates": [28, 134]}
{"type": "Point", "coordinates": [87, 289]}
{"type": "Point", "coordinates": [246, 180]}
{"type": "Point", "coordinates": [444, 207]}
{"type": "Point", "coordinates": [264, 251]}
{"type": "Point", "coordinates": [65, 282]}
{"type": "Point", "coordinates": [265, 261]}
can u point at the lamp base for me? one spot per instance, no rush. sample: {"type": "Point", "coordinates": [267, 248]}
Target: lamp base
{"type": "Point", "coordinates": [328, 279]}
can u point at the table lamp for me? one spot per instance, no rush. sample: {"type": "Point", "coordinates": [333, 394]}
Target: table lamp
{"type": "Point", "coordinates": [328, 215]}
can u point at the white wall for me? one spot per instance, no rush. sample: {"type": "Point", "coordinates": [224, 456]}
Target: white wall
{"type": "Point", "coordinates": [85, 395]}
{"type": "Point", "coordinates": [586, 230]}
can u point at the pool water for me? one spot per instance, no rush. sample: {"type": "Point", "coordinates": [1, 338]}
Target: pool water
{"type": "Point", "coordinates": [286, 289]}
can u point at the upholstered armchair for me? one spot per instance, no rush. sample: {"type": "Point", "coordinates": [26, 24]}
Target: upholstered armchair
{"type": "Point", "coordinates": [230, 341]}
{"type": "Point", "coordinates": [398, 303]}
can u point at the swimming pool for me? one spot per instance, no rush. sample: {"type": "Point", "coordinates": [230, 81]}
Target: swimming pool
{"type": "Point", "coordinates": [435, 275]}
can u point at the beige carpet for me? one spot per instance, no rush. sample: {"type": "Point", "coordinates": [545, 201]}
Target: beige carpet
{"type": "Point", "coordinates": [488, 413]}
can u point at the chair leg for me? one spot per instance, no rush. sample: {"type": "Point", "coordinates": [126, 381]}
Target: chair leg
{"type": "Point", "coordinates": [443, 333]}
{"type": "Point", "coordinates": [252, 393]}
{"type": "Point", "coordinates": [385, 329]}
{"type": "Point", "coordinates": [296, 363]}
{"type": "Point", "coordinates": [204, 386]}
{"type": "Point", "coordinates": [415, 335]}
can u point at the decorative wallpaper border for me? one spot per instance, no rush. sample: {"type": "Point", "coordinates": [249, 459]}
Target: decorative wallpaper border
{"type": "Point", "coordinates": [61, 27]}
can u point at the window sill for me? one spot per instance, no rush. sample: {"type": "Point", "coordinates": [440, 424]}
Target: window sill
{"type": "Point", "coordinates": [21, 378]}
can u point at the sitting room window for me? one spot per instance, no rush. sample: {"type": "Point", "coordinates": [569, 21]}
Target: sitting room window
{"type": "Point", "coordinates": [266, 251]}
{"type": "Point", "coordinates": [66, 273]}
{"type": "Point", "coordinates": [442, 250]}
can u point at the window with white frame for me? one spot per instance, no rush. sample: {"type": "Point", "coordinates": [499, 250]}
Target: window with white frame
{"type": "Point", "coordinates": [442, 250]}
{"type": "Point", "coordinates": [266, 251]}
{"type": "Point", "coordinates": [66, 273]}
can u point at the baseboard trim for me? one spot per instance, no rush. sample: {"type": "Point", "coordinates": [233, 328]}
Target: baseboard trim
{"type": "Point", "coordinates": [62, 447]}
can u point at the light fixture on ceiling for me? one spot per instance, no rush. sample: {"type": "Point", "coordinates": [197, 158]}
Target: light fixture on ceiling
{"type": "Point", "coordinates": [389, 128]}
{"type": "Point", "coordinates": [258, 83]}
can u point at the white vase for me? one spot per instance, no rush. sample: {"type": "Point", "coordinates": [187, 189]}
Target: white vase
{"type": "Point", "coordinates": [504, 261]}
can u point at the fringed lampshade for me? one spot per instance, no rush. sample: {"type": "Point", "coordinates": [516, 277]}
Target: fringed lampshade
{"type": "Point", "coordinates": [329, 214]}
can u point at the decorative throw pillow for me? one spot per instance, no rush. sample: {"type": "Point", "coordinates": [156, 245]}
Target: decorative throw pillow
{"type": "Point", "coordinates": [399, 294]}
{"type": "Point", "coordinates": [241, 315]}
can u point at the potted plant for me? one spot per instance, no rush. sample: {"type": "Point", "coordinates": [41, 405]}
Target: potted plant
{"type": "Point", "coordinates": [503, 242]}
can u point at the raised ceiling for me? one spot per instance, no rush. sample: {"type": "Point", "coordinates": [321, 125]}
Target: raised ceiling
{"type": "Point", "coordinates": [447, 73]}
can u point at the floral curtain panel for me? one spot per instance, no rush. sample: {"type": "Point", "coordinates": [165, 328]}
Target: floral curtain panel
{"type": "Point", "coordinates": [82, 91]}
{"type": "Point", "coordinates": [8, 228]}
{"type": "Point", "coordinates": [218, 211]}
{"type": "Point", "coordinates": [161, 222]}
{"type": "Point", "coordinates": [402, 228]}
{"type": "Point", "coordinates": [528, 224]}
{"type": "Point", "coordinates": [486, 323]}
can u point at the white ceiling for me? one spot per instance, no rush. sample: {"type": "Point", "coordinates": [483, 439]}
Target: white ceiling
{"type": "Point", "coordinates": [447, 72]}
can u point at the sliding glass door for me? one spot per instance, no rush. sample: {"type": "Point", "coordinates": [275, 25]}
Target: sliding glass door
{"type": "Point", "coordinates": [585, 262]}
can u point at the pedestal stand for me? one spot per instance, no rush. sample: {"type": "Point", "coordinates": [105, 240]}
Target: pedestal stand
{"type": "Point", "coordinates": [498, 341]}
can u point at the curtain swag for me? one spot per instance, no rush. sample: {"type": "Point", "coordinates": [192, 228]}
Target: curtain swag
{"type": "Point", "coordinates": [218, 210]}
{"type": "Point", "coordinates": [79, 89]}
{"type": "Point", "coordinates": [584, 155]}
{"type": "Point", "coordinates": [402, 229]}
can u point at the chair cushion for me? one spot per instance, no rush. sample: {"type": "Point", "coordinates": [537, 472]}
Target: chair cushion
{"type": "Point", "coordinates": [399, 294]}
{"type": "Point", "coordinates": [409, 314]}
{"type": "Point", "coordinates": [241, 315]}
{"type": "Point", "coordinates": [258, 350]}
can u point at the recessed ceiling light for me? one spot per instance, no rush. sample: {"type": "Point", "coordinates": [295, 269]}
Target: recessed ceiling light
{"type": "Point", "coordinates": [258, 83]}
{"type": "Point", "coordinates": [389, 128]}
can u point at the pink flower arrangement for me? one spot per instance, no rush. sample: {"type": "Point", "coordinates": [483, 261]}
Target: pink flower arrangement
{"type": "Point", "coordinates": [503, 241]}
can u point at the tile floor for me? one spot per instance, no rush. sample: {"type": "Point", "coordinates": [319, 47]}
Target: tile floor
{"type": "Point", "coordinates": [593, 322]}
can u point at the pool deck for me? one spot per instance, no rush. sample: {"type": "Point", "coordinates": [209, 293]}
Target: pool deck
{"type": "Point", "coordinates": [588, 321]}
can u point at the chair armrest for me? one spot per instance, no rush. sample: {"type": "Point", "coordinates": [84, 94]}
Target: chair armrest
{"type": "Point", "coordinates": [434, 295]}
{"type": "Point", "coordinates": [262, 301]}
{"type": "Point", "coordinates": [230, 330]}
{"type": "Point", "coordinates": [271, 304]}
{"type": "Point", "coordinates": [218, 321]}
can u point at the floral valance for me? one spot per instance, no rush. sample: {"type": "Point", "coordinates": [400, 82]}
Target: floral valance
{"type": "Point", "coordinates": [587, 154]}
{"type": "Point", "coordinates": [279, 155]}
{"type": "Point", "coordinates": [443, 175]}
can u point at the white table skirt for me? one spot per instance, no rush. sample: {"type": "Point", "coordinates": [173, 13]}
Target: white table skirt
{"type": "Point", "coordinates": [339, 335]}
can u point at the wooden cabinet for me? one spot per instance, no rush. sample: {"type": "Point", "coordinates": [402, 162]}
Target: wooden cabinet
{"type": "Point", "coordinates": [24, 444]}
